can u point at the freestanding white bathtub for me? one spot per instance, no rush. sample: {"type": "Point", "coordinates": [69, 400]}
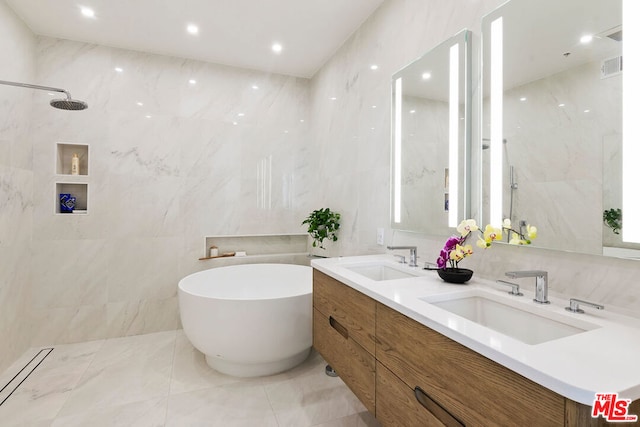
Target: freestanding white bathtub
{"type": "Point", "coordinates": [249, 320]}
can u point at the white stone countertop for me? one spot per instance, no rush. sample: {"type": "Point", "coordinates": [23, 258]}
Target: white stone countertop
{"type": "Point", "coordinates": [604, 359]}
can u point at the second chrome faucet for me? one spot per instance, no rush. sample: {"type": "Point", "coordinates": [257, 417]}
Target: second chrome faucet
{"type": "Point", "coordinates": [542, 283]}
{"type": "Point", "coordinates": [413, 254]}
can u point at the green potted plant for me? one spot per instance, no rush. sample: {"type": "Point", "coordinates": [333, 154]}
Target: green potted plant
{"type": "Point", "coordinates": [613, 219]}
{"type": "Point", "coordinates": [322, 224]}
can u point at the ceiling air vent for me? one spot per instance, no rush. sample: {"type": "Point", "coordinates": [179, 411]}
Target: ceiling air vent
{"type": "Point", "coordinates": [616, 35]}
{"type": "Point", "coordinates": [611, 67]}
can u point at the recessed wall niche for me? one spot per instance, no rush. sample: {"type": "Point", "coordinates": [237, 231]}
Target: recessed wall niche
{"type": "Point", "coordinates": [65, 152]}
{"type": "Point", "coordinates": [78, 190]}
{"type": "Point", "coordinates": [75, 185]}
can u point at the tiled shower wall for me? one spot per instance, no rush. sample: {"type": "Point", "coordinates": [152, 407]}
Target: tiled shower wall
{"type": "Point", "coordinates": [17, 50]}
{"type": "Point", "coordinates": [162, 175]}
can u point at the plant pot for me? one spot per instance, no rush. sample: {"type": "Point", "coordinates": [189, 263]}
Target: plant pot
{"type": "Point", "coordinates": [455, 275]}
{"type": "Point", "coordinates": [331, 249]}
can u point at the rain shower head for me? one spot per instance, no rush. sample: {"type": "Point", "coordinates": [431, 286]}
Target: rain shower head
{"type": "Point", "coordinates": [68, 104]}
{"type": "Point", "coordinates": [62, 104]}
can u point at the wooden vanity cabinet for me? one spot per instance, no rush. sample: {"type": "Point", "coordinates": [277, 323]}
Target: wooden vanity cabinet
{"type": "Point", "coordinates": [409, 375]}
{"type": "Point", "coordinates": [474, 390]}
{"type": "Point", "coordinates": [344, 334]}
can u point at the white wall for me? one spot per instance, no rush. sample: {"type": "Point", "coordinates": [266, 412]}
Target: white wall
{"type": "Point", "coordinates": [17, 50]}
{"type": "Point", "coordinates": [352, 139]}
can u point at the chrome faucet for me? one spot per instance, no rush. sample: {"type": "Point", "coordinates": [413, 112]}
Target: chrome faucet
{"type": "Point", "coordinates": [542, 283]}
{"type": "Point", "coordinates": [413, 254]}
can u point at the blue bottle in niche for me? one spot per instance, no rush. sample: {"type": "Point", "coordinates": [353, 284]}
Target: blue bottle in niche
{"type": "Point", "coordinates": [67, 203]}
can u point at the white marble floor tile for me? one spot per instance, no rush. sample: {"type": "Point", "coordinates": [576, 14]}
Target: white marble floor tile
{"type": "Point", "coordinates": [230, 405]}
{"type": "Point", "coordinates": [161, 380]}
{"type": "Point", "coordinates": [126, 370]}
{"type": "Point", "coordinates": [148, 413]}
{"type": "Point", "coordinates": [191, 372]}
{"type": "Point", "coordinates": [306, 396]}
{"type": "Point", "coordinates": [41, 396]}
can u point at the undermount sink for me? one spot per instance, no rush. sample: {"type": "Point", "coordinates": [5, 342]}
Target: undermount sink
{"type": "Point", "coordinates": [380, 272]}
{"type": "Point", "coordinates": [516, 322]}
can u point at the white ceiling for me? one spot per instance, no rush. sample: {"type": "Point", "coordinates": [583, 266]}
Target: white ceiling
{"type": "Point", "coordinates": [231, 32]}
{"type": "Point", "coordinates": [538, 34]}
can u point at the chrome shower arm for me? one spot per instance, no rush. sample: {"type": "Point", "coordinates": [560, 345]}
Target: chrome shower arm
{"type": "Point", "coordinates": [30, 86]}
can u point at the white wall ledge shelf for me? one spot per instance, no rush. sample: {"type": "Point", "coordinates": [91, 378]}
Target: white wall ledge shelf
{"type": "Point", "coordinates": [257, 246]}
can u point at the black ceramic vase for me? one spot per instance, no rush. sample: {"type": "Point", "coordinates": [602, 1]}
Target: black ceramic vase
{"type": "Point", "coordinates": [455, 275]}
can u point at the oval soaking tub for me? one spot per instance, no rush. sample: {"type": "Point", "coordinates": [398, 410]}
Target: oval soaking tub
{"type": "Point", "coordinates": [249, 320]}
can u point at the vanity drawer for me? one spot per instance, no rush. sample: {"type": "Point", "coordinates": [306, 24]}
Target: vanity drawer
{"type": "Point", "coordinates": [397, 405]}
{"type": "Point", "coordinates": [474, 389]}
{"type": "Point", "coordinates": [355, 366]}
{"type": "Point", "coordinates": [352, 309]}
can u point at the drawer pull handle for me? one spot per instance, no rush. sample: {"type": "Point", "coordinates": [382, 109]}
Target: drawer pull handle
{"type": "Point", "coordinates": [338, 327]}
{"type": "Point", "coordinates": [438, 411]}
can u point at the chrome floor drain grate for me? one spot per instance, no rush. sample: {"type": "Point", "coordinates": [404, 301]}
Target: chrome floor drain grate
{"type": "Point", "coordinates": [23, 374]}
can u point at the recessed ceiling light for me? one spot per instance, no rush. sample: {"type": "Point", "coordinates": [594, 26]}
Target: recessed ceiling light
{"type": "Point", "coordinates": [240, 114]}
{"type": "Point", "coordinates": [255, 87]}
{"type": "Point", "coordinates": [586, 111]}
{"type": "Point", "coordinates": [118, 69]}
{"type": "Point", "coordinates": [333, 98]}
{"type": "Point", "coordinates": [148, 116]}
{"type": "Point", "coordinates": [560, 105]}
{"type": "Point", "coordinates": [586, 39]}
{"type": "Point", "coordinates": [87, 12]}
{"type": "Point", "coordinates": [192, 29]}
{"type": "Point", "coordinates": [286, 131]}
{"type": "Point", "coordinates": [235, 123]}
{"type": "Point", "coordinates": [524, 98]}
{"type": "Point", "coordinates": [412, 111]}
{"type": "Point", "coordinates": [301, 120]}
{"type": "Point", "coordinates": [374, 67]}
{"type": "Point", "coordinates": [276, 47]}
{"type": "Point", "coordinates": [426, 75]}
{"type": "Point", "coordinates": [373, 106]}
{"type": "Point", "coordinates": [140, 104]}
{"type": "Point", "coordinates": [192, 81]}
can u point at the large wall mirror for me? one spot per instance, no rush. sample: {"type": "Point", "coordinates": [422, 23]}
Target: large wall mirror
{"type": "Point", "coordinates": [430, 139]}
{"type": "Point", "coordinates": [552, 136]}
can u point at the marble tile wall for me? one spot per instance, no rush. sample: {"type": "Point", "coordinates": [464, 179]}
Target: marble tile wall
{"type": "Point", "coordinates": [161, 177]}
{"type": "Point", "coordinates": [351, 137]}
{"type": "Point", "coordinates": [17, 50]}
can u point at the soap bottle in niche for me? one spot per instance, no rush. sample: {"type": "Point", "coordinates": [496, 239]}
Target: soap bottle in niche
{"type": "Point", "coordinates": [75, 164]}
